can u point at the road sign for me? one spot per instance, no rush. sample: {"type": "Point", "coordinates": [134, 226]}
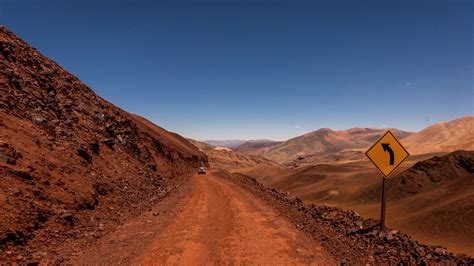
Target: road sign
{"type": "Point", "coordinates": [387, 153]}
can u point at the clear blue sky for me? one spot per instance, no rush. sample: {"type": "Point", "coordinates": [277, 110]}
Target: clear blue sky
{"type": "Point", "coordinates": [263, 69]}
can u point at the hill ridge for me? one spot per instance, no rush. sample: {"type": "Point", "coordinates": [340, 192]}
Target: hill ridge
{"type": "Point", "coordinates": [73, 166]}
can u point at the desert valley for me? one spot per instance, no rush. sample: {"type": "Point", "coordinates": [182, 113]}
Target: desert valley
{"type": "Point", "coordinates": [85, 182]}
{"type": "Point", "coordinates": [430, 196]}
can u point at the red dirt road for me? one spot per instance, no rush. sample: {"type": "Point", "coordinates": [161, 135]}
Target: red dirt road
{"type": "Point", "coordinates": [211, 220]}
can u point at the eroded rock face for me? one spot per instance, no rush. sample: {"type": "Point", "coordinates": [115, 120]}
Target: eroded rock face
{"type": "Point", "coordinates": [69, 159]}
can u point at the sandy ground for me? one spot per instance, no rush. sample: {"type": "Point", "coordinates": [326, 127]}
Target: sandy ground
{"type": "Point", "coordinates": [210, 221]}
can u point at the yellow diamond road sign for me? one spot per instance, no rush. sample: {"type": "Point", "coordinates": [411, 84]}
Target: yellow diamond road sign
{"type": "Point", "coordinates": [387, 153]}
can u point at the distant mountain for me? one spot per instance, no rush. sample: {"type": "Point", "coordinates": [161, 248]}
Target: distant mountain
{"type": "Point", "coordinates": [443, 137]}
{"type": "Point", "coordinates": [225, 158]}
{"type": "Point", "coordinates": [232, 144]}
{"type": "Point", "coordinates": [256, 147]}
{"type": "Point", "coordinates": [326, 141]}
{"type": "Point", "coordinates": [344, 156]}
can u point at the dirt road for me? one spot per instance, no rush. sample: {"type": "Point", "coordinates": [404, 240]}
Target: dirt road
{"type": "Point", "coordinates": [211, 221]}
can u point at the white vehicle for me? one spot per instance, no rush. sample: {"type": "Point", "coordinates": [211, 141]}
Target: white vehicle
{"type": "Point", "coordinates": [201, 171]}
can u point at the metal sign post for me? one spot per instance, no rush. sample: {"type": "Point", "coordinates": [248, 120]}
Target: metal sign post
{"type": "Point", "coordinates": [386, 154]}
{"type": "Point", "coordinates": [382, 211]}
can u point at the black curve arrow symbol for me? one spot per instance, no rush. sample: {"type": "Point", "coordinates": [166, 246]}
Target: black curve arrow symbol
{"type": "Point", "coordinates": [386, 148]}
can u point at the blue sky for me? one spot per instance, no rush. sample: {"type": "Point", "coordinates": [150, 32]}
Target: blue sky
{"type": "Point", "coordinates": [263, 69]}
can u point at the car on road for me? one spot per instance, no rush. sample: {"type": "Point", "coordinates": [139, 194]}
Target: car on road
{"type": "Point", "coordinates": [201, 171]}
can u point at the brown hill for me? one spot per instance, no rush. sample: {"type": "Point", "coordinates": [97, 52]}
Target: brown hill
{"type": "Point", "coordinates": [431, 197]}
{"type": "Point", "coordinates": [443, 137]}
{"type": "Point", "coordinates": [256, 147]}
{"type": "Point", "coordinates": [326, 141]}
{"type": "Point", "coordinates": [204, 147]}
{"type": "Point", "coordinates": [345, 231]}
{"type": "Point", "coordinates": [453, 169]}
{"type": "Point", "coordinates": [344, 156]}
{"type": "Point", "coordinates": [227, 159]}
{"type": "Point", "coordinates": [72, 165]}
{"type": "Point", "coordinates": [433, 201]}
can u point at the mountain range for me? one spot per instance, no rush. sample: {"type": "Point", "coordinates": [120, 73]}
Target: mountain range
{"type": "Point", "coordinates": [228, 159]}
{"type": "Point", "coordinates": [327, 145]}
{"type": "Point", "coordinates": [231, 144]}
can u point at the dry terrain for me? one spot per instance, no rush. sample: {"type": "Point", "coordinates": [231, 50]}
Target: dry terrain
{"type": "Point", "coordinates": [433, 201]}
{"type": "Point", "coordinates": [216, 222]}
{"type": "Point", "coordinates": [342, 176]}
{"type": "Point", "coordinates": [438, 212]}
{"type": "Point", "coordinates": [85, 182]}
{"type": "Point", "coordinates": [72, 165]}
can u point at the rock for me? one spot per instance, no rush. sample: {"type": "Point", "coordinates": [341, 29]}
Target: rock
{"type": "Point", "coordinates": [39, 120]}
{"type": "Point", "coordinates": [404, 254]}
{"type": "Point", "coordinates": [16, 191]}
{"type": "Point", "coordinates": [393, 232]}
{"type": "Point", "coordinates": [68, 217]}
{"type": "Point", "coordinates": [100, 116]}
{"type": "Point", "coordinates": [391, 235]}
{"type": "Point", "coordinates": [95, 147]}
{"type": "Point", "coordinates": [420, 251]}
{"type": "Point", "coordinates": [440, 251]}
{"type": "Point", "coordinates": [23, 174]}
{"type": "Point", "coordinates": [84, 155]}
{"type": "Point", "coordinates": [8, 154]}
{"type": "Point", "coordinates": [373, 232]}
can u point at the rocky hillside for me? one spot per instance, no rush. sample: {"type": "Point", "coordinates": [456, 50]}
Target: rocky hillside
{"type": "Point", "coordinates": [204, 147]}
{"type": "Point", "coordinates": [349, 237]}
{"type": "Point", "coordinates": [72, 165]}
